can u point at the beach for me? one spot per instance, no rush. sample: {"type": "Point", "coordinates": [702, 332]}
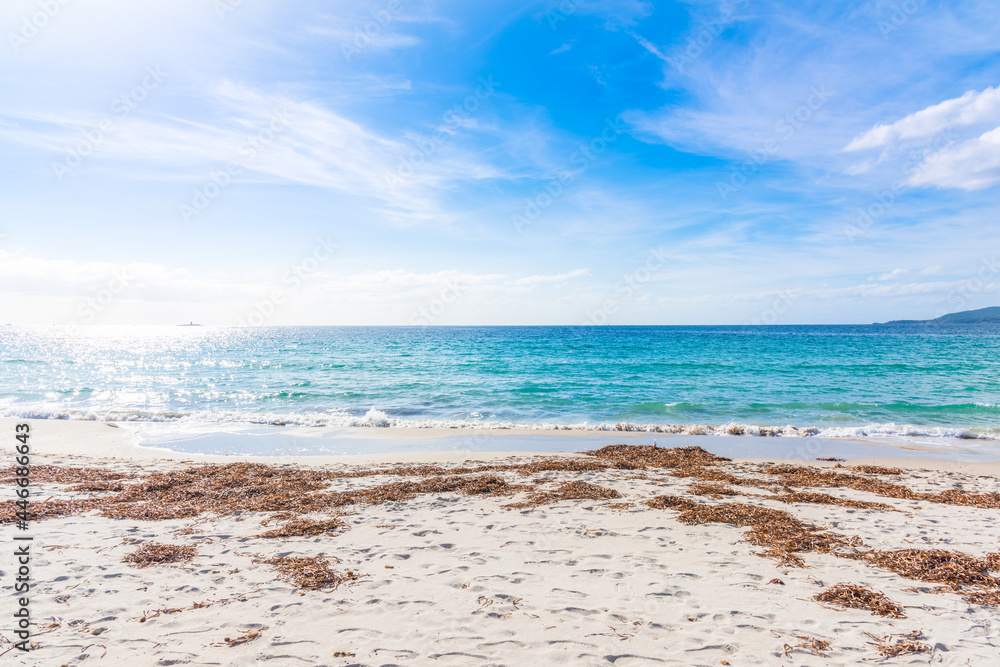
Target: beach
{"type": "Point", "coordinates": [639, 555]}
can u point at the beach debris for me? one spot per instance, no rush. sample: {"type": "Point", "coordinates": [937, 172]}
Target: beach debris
{"type": "Point", "coordinates": [631, 457]}
{"type": "Point", "coordinates": [800, 476]}
{"type": "Point", "coordinates": [568, 491]}
{"type": "Point", "coordinates": [812, 644]}
{"type": "Point", "coordinates": [781, 534]}
{"type": "Point", "coordinates": [218, 489]}
{"type": "Point", "coordinates": [953, 568]}
{"type": "Point", "coordinates": [830, 458]}
{"type": "Point", "coordinates": [620, 506]}
{"type": "Point", "coordinates": [877, 470]}
{"type": "Point", "coordinates": [815, 498]}
{"type": "Point", "coordinates": [154, 553]}
{"type": "Point", "coordinates": [290, 495]}
{"type": "Point", "coordinates": [853, 596]}
{"type": "Point", "coordinates": [307, 528]}
{"type": "Point", "coordinates": [246, 637]}
{"type": "Point", "coordinates": [905, 644]}
{"type": "Point", "coordinates": [985, 598]}
{"type": "Point", "coordinates": [712, 490]}
{"type": "Point", "coordinates": [484, 485]}
{"type": "Point", "coordinates": [310, 572]}
{"type": "Point", "coordinates": [52, 474]}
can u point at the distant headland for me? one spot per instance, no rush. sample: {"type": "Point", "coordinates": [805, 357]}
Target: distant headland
{"type": "Point", "coordinates": [980, 316]}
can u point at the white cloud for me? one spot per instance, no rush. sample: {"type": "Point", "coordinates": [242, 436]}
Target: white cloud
{"type": "Point", "coordinates": [972, 108]}
{"type": "Point", "coordinates": [894, 274]}
{"type": "Point", "coordinates": [558, 278]}
{"type": "Point", "coordinates": [953, 158]}
{"type": "Point", "coordinates": [970, 165]}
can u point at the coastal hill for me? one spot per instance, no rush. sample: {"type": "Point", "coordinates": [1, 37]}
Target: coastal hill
{"type": "Point", "coordinates": [980, 316]}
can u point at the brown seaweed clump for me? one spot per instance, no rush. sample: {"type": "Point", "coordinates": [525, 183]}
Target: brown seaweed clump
{"type": "Point", "coordinates": [814, 498]}
{"type": "Point", "coordinates": [853, 596]}
{"type": "Point", "coordinates": [985, 598]}
{"type": "Point", "coordinates": [47, 509]}
{"type": "Point", "coordinates": [781, 534]}
{"type": "Point", "coordinates": [712, 490]}
{"type": "Point", "coordinates": [42, 474]}
{"type": "Point", "coordinates": [904, 645]}
{"type": "Point", "coordinates": [154, 553]}
{"type": "Point", "coordinates": [307, 528]}
{"type": "Point", "coordinates": [953, 568]}
{"type": "Point", "coordinates": [992, 561]}
{"type": "Point", "coordinates": [800, 476]}
{"type": "Point", "coordinates": [568, 491]}
{"type": "Point", "coordinates": [310, 572]}
{"type": "Point", "coordinates": [877, 470]}
{"type": "Point", "coordinates": [632, 457]}
{"type": "Point", "coordinates": [218, 489]}
{"type": "Point", "coordinates": [483, 485]}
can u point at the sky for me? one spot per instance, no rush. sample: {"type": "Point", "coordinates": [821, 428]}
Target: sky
{"type": "Point", "coordinates": [400, 162]}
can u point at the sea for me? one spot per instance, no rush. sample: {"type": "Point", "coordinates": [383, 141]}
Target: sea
{"type": "Point", "coordinates": [935, 383]}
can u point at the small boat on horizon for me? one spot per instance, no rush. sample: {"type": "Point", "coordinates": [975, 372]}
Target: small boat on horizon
{"type": "Point", "coordinates": [189, 324]}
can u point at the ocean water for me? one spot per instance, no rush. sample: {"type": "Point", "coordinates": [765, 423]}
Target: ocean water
{"type": "Point", "coordinates": [827, 381]}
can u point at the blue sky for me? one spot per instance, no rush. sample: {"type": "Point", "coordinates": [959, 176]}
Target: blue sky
{"type": "Point", "coordinates": [408, 162]}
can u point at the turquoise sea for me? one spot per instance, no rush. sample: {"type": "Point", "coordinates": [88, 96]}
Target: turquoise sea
{"type": "Point", "coordinates": [829, 381]}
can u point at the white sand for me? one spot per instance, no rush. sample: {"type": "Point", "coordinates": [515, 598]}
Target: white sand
{"type": "Point", "coordinates": [457, 580]}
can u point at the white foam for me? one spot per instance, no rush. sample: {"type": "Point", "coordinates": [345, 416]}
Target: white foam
{"type": "Point", "coordinates": [376, 418]}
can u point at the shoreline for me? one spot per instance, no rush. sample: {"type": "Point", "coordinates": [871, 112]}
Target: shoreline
{"type": "Point", "coordinates": [386, 445]}
{"type": "Point", "coordinates": [492, 557]}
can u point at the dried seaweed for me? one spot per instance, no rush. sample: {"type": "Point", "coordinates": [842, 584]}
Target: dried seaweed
{"type": "Point", "coordinates": [556, 465]}
{"type": "Point", "coordinates": [814, 498]}
{"type": "Point", "coordinates": [218, 489]}
{"type": "Point", "coordinates": [309, 572]}
{"type": "Point", "coordinates": [812, 644]}
{"type": "Point", "coordinates": [486, 485]}
{"type": "Point", "coordinates": [619, 506]}
{"type": "Point", "coordinates": [992, 561]}
{"type": "Point", "coordinates": [781, 534]}
{"type": "Point", "coordinates": [985, 598]}
{"type": "Point", "coordinates": [706, 474]}
{"type": "Point", "coordinates": [934, 565]}
{"type": "Point", "coordinates": [712, 490]}
{"type": "Point", "coordinates": [306, 528]}
{"type": "Point", "coordinates": [672, 503]}
{"type": "Point", "coordinates": [154, 553]}
{"type": "Point", "coordinates": [803, 477]}
{"type": "Point", "coordinates": [632, 457]}
{"type": "Point", "coordinates": [247, 636]}
{"type": "Point", "coordinates": [877, 470]}
{"type": "Point", "coordinates": [904, 645]}
{"type": "Point", "coordinates": [47, 509]}
{"type": "Point", "coordinates": [568, 491]}
{"type": "Point", "coordinates": [51, 474]}
{"type": "Point", "coordinates": [860, 597]}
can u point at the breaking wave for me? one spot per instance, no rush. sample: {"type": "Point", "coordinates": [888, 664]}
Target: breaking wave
{"type": "Point", "coordinates": [376, 418]}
